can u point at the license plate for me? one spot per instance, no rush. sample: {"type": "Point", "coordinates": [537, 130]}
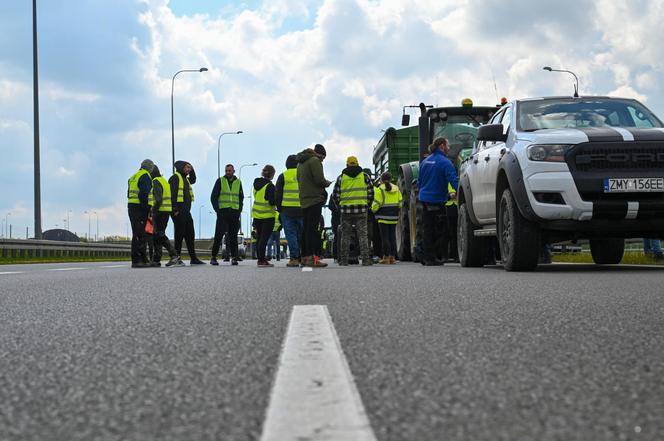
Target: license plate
{"type": "Point", "coordinates": [633, 185]}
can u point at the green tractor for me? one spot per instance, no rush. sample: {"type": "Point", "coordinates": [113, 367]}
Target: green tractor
{"type": "Point", "coordinates": [400, 151]}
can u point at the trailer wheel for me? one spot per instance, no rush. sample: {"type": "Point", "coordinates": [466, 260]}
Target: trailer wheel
{"type": "Point", "coordinates": [607, 251]}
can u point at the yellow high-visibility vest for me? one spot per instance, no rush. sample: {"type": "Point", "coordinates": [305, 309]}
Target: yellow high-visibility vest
{"type": "Point", "coordinates": [450, 189]}
{"type": "Point", "coordinates": [180, 197]}
{"type": "Point", "coordinates": [386, 205]}
{"type": "Point", "coordinates": [166, 203]}
{"type": "Point", "coordinates": [277, 224]}
{"type": "Point", "coordinates": [132, 186]}
{"type": "Point", "coordinates": [353, 190]}
{"type": "Point", "coordinates": [291, 196]}
{"type": "Point", "coordinates": [261, 208]}
{"type": "Point", "coordinates": [229, 195]}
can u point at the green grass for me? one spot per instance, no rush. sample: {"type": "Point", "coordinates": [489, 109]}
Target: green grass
{"type": "Point", "coordinates": [23, 260]}
{"type": "Point", "coordinates": [630, 258]}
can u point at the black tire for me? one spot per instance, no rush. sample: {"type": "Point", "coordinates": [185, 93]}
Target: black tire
{"type": "Point", "coordinates": [518, 238]}
{"type": "Point", "coordinates": [607, 251]}
{"type": "Point", "coordinates": [415, 221]}
{"type": "Point", "coordinates": [471, 248]}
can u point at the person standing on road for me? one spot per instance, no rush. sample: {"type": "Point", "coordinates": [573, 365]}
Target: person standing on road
{"type": "Point", "coordinates": [226, 199]}
{"type": "Point", "coordinates": [336, 224]}
{"type": "Point", "coordinates": [354, 193]}
{"type": "Point", "coordinates": [386, 207]}
{"type": "Point", "coordinates": [161, 204]}
{"type": "Point", "coordinates": [450, 238]}
{"type": "Point", "coordinates": [287, 198]}
{"type": "Point", "coordinates": [312, 185]}
{"type": "Point", "coordinates": [139, 188]}
{"type": "Point", "coordinates": [436, 173]}
{"type": "Point", "coordinates": [182, 196]}
{"type": "Point", "coordinates": [263, 212]}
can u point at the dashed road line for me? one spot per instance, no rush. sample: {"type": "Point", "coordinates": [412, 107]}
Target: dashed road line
{"type": "Point", "coordinates": [66, 269]}
{"type": "Point", "coordinates": [314, 396]}
{"type": "Point", "coordinates": [114, 266]}
{"type": "Point", "coordinates": [6, 273]}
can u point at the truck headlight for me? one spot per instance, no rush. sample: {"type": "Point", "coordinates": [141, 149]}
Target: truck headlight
{"type": "Point", "coordinates": [548, 152]}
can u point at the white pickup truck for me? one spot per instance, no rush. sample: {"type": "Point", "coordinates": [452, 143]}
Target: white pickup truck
{"type": "Point", "coordinates": [547, 170]}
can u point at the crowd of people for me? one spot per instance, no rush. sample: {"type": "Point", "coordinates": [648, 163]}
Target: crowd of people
{"type": "Point", "coordinates": [294, 202]}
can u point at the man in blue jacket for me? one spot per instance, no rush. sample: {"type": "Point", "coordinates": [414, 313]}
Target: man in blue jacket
{"type": "Point", "coordinates": [436, 172]}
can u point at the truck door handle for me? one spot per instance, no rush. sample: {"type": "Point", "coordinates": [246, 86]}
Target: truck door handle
{"type": "Point", "coordinates": [487, 158]}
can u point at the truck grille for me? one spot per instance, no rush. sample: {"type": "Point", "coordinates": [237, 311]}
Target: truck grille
{"type": "Point", "coordinates": [621, 156]}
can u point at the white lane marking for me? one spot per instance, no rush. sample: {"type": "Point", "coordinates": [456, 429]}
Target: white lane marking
{"type": "Point", "coordinates": [66, 269]}
{"type": "Point", "coordinates": [314, 396]}
{"type": "Point", "coordinates": [114, 266]}
{"type": "Point", "coordinates": [306, 269]}
{"type": "Point", "coordinates": [11, 272]}
{"type": "Point", "coordinates": [626, 134]}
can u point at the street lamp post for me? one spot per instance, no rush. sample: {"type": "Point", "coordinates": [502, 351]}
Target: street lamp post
{"type": "Point", "coordinates": [35, 109]}
{"type": "Point", "coordinates": [68, 224]}
{"type": "Point", "coordinates": [576, 85]}
{"type": "Point", "coordinates": [202, 69]}
{"type": "Point", "coordinates": [88, 213]}
{"type": "Point", "coordinates": [218, 149]}
{"type": "Point", "coordinates": [97, 233]}
{"type": "Point", "coordinates": [250, 194]}
{"type": "Point", "coordinates": [200, 234]}
{"type": "Point", "coordinates": [6, 224]}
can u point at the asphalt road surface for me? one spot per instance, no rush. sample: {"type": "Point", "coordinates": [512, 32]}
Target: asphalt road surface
{"type": "Point", "coordinates": [104, 352]}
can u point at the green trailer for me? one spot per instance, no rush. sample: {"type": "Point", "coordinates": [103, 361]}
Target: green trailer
{"type": "Point", "coordinates": [399, 151]}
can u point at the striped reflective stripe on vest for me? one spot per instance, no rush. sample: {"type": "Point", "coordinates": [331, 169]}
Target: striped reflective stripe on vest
{"type": "Point", "coordinates": [291, 196]}
{"type": "Point", "coordinates": [229, 196]}
{"type": "Point", "coordinates": [180, 197]}
{"type": "Point", "coordinates": [261, 208]}
{"type": "Point", "coordinates": [166, 202]}
{"type": "Point", "coordinates": [353, 190]}
{"type": "Point", "coordinates": [132, 186]}
{"type": "Point", "coordinates": [388, 213]}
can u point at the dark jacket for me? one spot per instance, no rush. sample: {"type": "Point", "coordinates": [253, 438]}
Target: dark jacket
{"type": "Point", "coordinates": [269, 191]}
{"type": "Point", "coordinates": [436, 171]}
{"type": "Point", "coordinates": [157, 191]}
{"type": "Point", "coordinates": [336, 194]}
{"type": "Point", "coordinates": [173, 181]}
{"type": "Point", "coordinates": [311, 179]}
{"type": "Point", "coordinates": [216, 190]}
{"type": "Point", "coordinates": [144, 189]}
{"type": "Point", "coordinates": [279, 192]}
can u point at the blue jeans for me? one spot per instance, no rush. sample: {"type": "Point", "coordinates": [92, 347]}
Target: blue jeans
{"type": "Point", "coordinates": [652, 247]}
{"type": "Point", "coordinates": [293, 227]}
{"type": "Point", "coordinates": [273, 245]}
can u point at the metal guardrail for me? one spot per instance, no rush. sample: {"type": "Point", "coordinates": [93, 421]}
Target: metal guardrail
{"type": "Point", "coordinates": [30, 248]}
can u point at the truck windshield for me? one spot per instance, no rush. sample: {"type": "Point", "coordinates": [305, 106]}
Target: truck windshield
{"type": "Point", "coordinates": [460, 131]}
{"type": "Point", "coordinates": [573, 113]}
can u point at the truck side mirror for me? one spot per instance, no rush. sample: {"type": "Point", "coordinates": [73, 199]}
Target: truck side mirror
{"type": "Point", "coordinates": [405, 120]}
{"type": "Point", "coordinates": [491, 133]}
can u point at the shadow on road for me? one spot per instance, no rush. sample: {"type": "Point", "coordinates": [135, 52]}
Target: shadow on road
{"type": "Point", "coordinates": [587, 267]}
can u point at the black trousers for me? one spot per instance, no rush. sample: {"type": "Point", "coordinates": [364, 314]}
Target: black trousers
{"type": "Point", "coordinates": [450, 238]}
{"type": "Point", "coordinates": [388, 237]}
{"type": "Point", "coordinates": [310, 234]}
{"type": "Point", "coordinates": [139, 238]}
{"type": "Point", "coordinates": [160, 238]}
{"type": "Point", "coordinates": [228, 223]}
{"type": "Point", "coordinates": [433, 230]}
{"type": "Point", "coordinates": [263, 232]}
{"type": "Point", "coordinates": [184, 230]}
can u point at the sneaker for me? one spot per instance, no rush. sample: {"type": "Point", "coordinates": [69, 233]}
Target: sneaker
{"type": "Point", "coordinates": [180, 262]}
{"type": "Point", "coordinates": [174, 261]}
{"type": "Point", "coordinates": [196, 261]}
{"type": "Point", "coordinates": [393, 260]}
{"type": "Point", "coordinates": [214, 262]}
{"type": "Point", "coordinates": [140, 265]}
{"type": "Point", "coordinates": [227, 259]}
{"type": "Point", "coordinates": [434, 262]}
{"type": "Point", "coordinates": [318, 263]}
{"type": "Point", "coordinates": [367, 262]}
{"type": "Point", "coordinates": [385, 260]}
{"type": "Point", "coordinates": [155, 264]}
{"type": "Point", "coordinates": [293, 262]}
{"type": "Point", "coordinates": [234, 262]}
{"type": "Point", "coordinates": [264, 264]}
{"type": "Point", "coordinates": [343, 263]}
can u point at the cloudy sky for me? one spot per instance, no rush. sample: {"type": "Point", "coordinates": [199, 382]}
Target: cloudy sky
{"type": "Point", "coordinates": [289, 73]}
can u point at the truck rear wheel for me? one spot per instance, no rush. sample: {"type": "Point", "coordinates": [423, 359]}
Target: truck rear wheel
{"type": "Point", "coordinates": [518, 238]}
{"type": "Point", "coordinates": [403, 225]}
{"type": "Point", "coordinates": [471, 248]}
{"type": "Point", "coordinates": [607, 251]}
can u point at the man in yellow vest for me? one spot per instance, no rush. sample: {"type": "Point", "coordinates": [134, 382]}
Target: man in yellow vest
{"type": "Point", "coordinates": [354, 193]}
{"type": "Point", "coordinates": [287, 198]}
{"type": "Point", "coordinates": [227, 199]}
{"type": "Point", "coordinates": [161, 206]}
{"type": "Point", "coordinates": [263, 212]}
{"type": "Point", "coordinates": [182, 196]}
{"type": "Point", "coordinates": [139, 188]}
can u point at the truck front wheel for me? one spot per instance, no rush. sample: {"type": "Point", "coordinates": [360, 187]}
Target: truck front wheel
{"type": "Point", "coordinates": [519, 239]}
{"type": "Point", "coordinates": [471, 248]}
{"type": "Point", "coordinates": [607, 251]}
